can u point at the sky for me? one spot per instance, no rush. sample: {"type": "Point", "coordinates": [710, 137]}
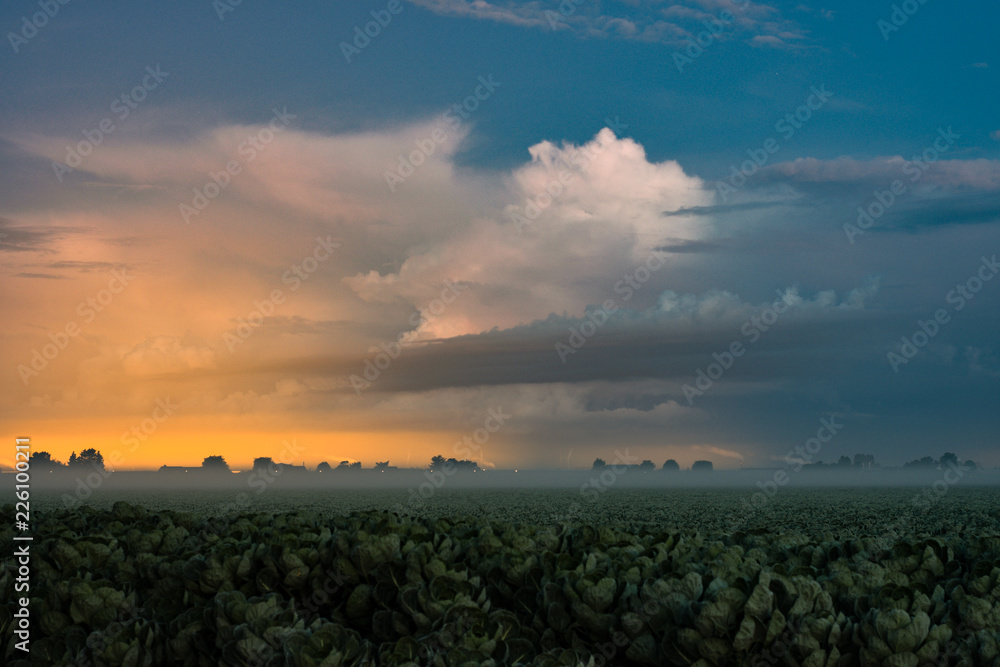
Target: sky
{"type": "Point", "coordinates": [524, 233]}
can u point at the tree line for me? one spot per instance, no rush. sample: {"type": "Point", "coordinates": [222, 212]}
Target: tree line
{"type": "Point", "coordinates": [669, 465]}
{"type": "Point", "coordinates": [91, 458]}
{"type": "Point", "coordinates": [866, 461]}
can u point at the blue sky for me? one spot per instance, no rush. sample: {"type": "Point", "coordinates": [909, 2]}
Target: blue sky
{"type": "Point", "coordinates": [681, 119]}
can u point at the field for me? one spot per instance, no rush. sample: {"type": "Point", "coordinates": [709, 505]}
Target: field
{"type": "Point", "coordinates": [703, 577]}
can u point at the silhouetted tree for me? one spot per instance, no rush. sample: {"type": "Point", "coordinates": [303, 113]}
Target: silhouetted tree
{"type": "Point", "coordinates": [864, 460]}
{"type": "Point", "coordinates": [969, 463]}
{"type": "Point", "coordinates": [925, 462]}
{"type": "Point", "coordinates": [323, 467]}
{"type": "Point", "coordinates": [670, 465]}
{"type": "Point", "coordinates": [44, 461]}
{"type": "Point", "coordinates": [702, 466]}
{"type": "Point", "coordinates": [647, 465]}
{"type": "Point", "coordinates": [88, 457]}
{"type": "Point", "coordinates": [948, 458]}
{"type": "Point", "coordinates": [215, 464]}
{"type": "Point", "coordinates": [264, 464]}
{"type": "Point", "coordinates": [437, 462]}
{"type": "Point", "coordinates": [464, 464]}
{"type": "Point", "coordinates": [72, 460]}
{"type": "Point", "coordinates": [381, 465]}
{"type": "Point", "coordinates": [599, 464]}
{"type": "Point", "coordinates": [844, 461]}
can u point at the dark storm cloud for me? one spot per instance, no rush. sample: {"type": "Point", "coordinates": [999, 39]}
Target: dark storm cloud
{"type": "Point", "coordinates": [959, 209]}
{"type": "Point", "coordinates": [629, 346]}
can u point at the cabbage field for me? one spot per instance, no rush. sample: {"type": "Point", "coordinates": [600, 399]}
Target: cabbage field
{"type": "Point", "coordinates": [829, 577]}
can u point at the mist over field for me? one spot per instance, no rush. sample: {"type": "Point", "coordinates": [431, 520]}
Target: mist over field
{"type": "Point", "coordinates": [585, 480]}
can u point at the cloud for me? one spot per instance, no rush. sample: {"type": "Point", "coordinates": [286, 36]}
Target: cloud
{"type": "Point", "coordinates": [32, 238]}
{"type": "Point", "coordinates": [571, 222]}
{"type": "Point", "coordinates": [659, 22]}
{"type": "Point", "coordinates": [665, 342]}
{"type": "Point", "coordinates": [47, 276]}
{"type": "Point", "coordinates": [166, 354]}
{"type": "Point", "coordinates": [720, 209]}
{"type": "Point", "coordinates": [682, 246]}
{"type": "Point", "coordinates": [995, 135]}
{"type": "Point", "coordinates": [84, 267]}
{"type": "Point", "coordinates": [530, 16]}
{"type": "Point", "coordinates": [719, 451]}
{"type": "Point", "coordinates": [980, 174]}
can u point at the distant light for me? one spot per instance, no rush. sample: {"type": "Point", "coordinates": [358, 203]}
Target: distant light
{"type": "Point", "coordinates": [515, 469]}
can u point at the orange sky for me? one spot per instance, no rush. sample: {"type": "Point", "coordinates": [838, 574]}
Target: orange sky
{"type": "Point", "coordinates": [251, 317]}
{"type": "Point", "coordinates": [188, 448]}
{"type": "Point", "coordinates": [256, 318]}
